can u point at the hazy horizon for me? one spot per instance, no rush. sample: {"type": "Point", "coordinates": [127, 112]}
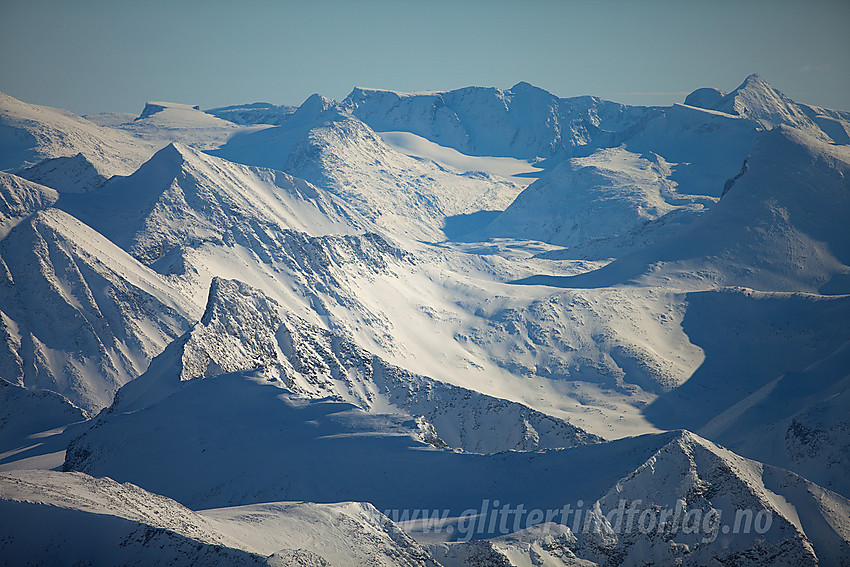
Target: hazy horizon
{"type": "Point", "coordinates": [113, 56]}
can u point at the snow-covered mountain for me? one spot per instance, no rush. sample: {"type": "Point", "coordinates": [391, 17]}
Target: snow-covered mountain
{"type": "Point", "coordinates": [324, 144]}
{"type": "Point", "coordinates": [780, 226]}
{"type": "Point", "coordinates": [700, 480]}
{"type": "Point", "coordinates": [524, 121]}
{"type": "Point", "coordinates": [32, 416]}
{"type": "Point", "coordinates": [615, 198]}
{"type": "Point", "coordinates": [422, 302]}
{"type": "Point", "coordinates": [244, 330]}
{"type": "Point", "coordinates": [56, 514]}
{"type": "Point", "coordinates": [188, 447]}
{"type": "Point", "coordinates": [30, 134]}
{"type": "Point", "coordinates": [20, 199]}
{"type": "Point", "coordinates": [797, 421]}
{"type": "Point", "coordinates": [80, 316]}
{"type": "Point", "coordinates": [757, 100]}
{"type": "Point", "coordinates": [183, 198]}
{"type": "Point", "coordinates": [161, 123]}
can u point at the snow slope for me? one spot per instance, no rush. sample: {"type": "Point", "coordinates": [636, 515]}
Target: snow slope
{"type": "Point", "coordinates": [699, 480]}
{"type": "Point", "coordinates": [748, 339]}
{"type": "Point", "coordinates": [757, 100]}
{"type": "Point", "coordinates": [183, 198]}
{"type": "Point", "coordinates": [244, 330]}
{"type": "Point", "coordinates": [210, 444]}
{"type": "Point", "coordinates": [311, 380]}
{"type": "Point", "coordinates": [80, 316]}
{"type": "Point", "coordinates": [524, 122]}
{"type": "Point", "coordinates": [161, 123]}
{"type": "Point", "coordinates": [603, 197]}
{"type": "Point", "coordinates": [779, 227]}
{"type": "Point", "coordinates": [19, 199]}
{"type": "Point", "coordinates": [240, 438]}
{"type": "Point", "coordinates": [58, 514]}
{"type": "Point", "coordinates": [432, 311]}
{"type": "Point", "coordinates": [402, 194]}
{"type": "Point", "coordinates": [191, 217]}
{"type": "Point", "coordinates": [703, 147]}
{"type": "Point", "coordinates": [71, 174]}
{"type": "Point", "coordinates": [31, 427]}
{"type": "Point", "coordinates": [30, 133]}
{"type": "Point", "coordinates": [797, 421]}
{"type": "Point", "coordinates": [517, 170]}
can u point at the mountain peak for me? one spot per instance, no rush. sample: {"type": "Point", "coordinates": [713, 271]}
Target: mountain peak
{"type": "Point", "coordinates": [757, 100]}
{"type": "Point", "coordinates": [524, 86]}
{"type": "Point", "coordinates": [171, 156]}
{"type": "Point", "coordinates": [229, 300]}
{"type": "Point", "coordinates": [313, 106]}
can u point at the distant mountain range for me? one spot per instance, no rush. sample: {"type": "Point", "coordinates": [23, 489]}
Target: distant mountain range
{"type": "Point", "coordinates": [303, 334]}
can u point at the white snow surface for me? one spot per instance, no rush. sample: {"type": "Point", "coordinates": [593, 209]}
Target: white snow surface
{"type": "Point", "coordinates": [55, 513]}
{"type": "Point", "coordinates": [610, 194]}
{"type": "Point", "coordinates": [524, 122]}
{"type": "Point", "coordinates": [253, 113]}
{"type": "Point", "coordinates": [401, 194]}
{"type": "Point", "coordinates": [780, 226]}
{"type": "Point", "coordinates": [219, 464]}
{"type": "Point", "coordinates": [413, 145]}
{"type": "Point", "coordinates": [80, 316]}
{"type": "Point", "coordinates": [161, 123]}
{"type": "Point", "coordinates": [244, 330]}
{"type": "Point", "coordinates": [336, 333]}
{"type": "Point", "coordinates": [30, 133]}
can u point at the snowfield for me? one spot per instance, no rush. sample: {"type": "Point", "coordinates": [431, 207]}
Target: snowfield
{"type": "Point", "coordinates": [470, 327]}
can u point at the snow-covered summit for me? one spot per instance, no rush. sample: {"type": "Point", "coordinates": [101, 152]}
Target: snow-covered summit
{"type": "Point", "coordinates": [705, 97]}
{"type": "Point", "coordinates": [31, 133]}
{"type": "Point", "coordinates": [599, 202]}
{"type": "Point", "coordinates": [757, 100]}
{"type": "Point", "coordinates": [236, 439]}
{"type": "Point", "coordinates": [781, 226]}
{"type": "Point", "coordinates": [324, 144]}
{"type": "Point", "coordinates": [20, 199]}
{"type": "Point", "coordinates": [161, 123]}
{"type": "Point", "coordinates": [58, 513]}
{"type": "Point", "coordinates": [182, 197]}
{"type": "Point", "coordinates": [523, 122]}
{"type": "Point", "coordinates": [310, 110]}
{"type": "Point", "coordinates": [68, 174]}
{"type": "Point", "coordinates": [115, 314]}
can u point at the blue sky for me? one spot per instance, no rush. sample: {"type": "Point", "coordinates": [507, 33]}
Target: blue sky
{"type": "Point", "coordinates": [93, 56]}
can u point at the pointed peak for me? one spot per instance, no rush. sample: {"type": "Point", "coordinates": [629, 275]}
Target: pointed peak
{"type": "Point", "coordinates": [316, 103]}
{"type": "Point", "coordinates": [312, 108]}
{"type": "Point", "coordinates": [228, 299]}
{"type": "Point", "coordinates": [167, 161]}
{"type": "Point", "coordinates": [526, 90]}
{"type": "Point", "coordinates": [174, 151]}
{"type": "Point", "coordinates": [754, 82]}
